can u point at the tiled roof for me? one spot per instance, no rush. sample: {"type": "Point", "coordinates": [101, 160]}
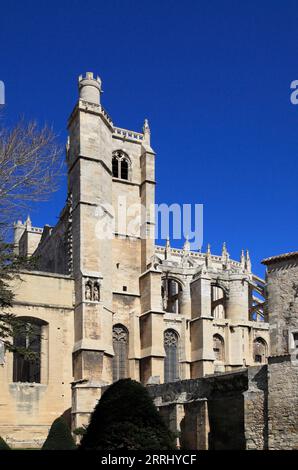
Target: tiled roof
{"type": "Point", "coordinates": [273, 259]}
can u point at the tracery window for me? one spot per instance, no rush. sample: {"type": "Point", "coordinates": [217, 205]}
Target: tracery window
{"type": "Point", "coordinates": [171, 361]}
{"type": "Point", "coordinates": [120, 359]}
{"type": "Point", "coordinates": [121, 165]}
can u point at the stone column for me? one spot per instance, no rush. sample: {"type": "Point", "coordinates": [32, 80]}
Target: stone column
{"type": "Point", "coordinates": [201, 332]}
{"type": "Point", "coordinates": [151, 326]}
{"type": "Point", "coordinates": [195, 425]}
{"type": "Point", "coordinates": [147, 192]}
{"type": "Point", "coordinates": [151, 319]}
{"type": "Point", "coordinates": [237, 301]}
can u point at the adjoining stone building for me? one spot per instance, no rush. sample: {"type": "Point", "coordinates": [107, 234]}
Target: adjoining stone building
{"type": "Point", "coordinates": [106, 308]}
{"type": "Point", "coordinates": [254, 408]}
{"type": "Point", "coordinates": [282, 308]}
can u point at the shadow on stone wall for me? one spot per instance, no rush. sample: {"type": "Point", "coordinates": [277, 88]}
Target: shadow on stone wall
{"type": "Point", "coordinates": [226, 421]}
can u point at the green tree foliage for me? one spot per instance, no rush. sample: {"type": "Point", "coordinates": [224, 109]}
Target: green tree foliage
{"type": "Point", "coordinates": [126, 418]}
{"type": "Point", "coordinates": [10, 325]}
{"type": "Point", "coordinates": [59, 437]}
{"type": "Point", "coordinates": [10, 265]}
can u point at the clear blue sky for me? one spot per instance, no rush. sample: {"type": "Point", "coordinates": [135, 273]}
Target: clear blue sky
{"type": "Point", "coordinates": [213, 78]}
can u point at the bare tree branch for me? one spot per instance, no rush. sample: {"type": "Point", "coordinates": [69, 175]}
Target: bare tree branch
{"type": "Point", "coordinates": [31, 166]}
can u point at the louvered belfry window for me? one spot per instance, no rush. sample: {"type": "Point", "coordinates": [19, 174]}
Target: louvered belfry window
{"type": "Point", "coordinates": [120, 360]}
{"type": "Point", "coordinates": [171, 361]}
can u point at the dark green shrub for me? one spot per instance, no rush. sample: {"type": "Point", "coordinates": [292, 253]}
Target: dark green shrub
{"type": "Point", "coordinates": [3, 444]}
{"type": "Point", "coordinates": [126, 418]}
{"type": "Point", "coordinates": [59, 437]}
{"type": "Point", "coordinates": [80, 431]}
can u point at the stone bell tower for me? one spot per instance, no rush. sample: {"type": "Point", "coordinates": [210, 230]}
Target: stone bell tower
{"type": "Point", "coordinates": [90, 190]}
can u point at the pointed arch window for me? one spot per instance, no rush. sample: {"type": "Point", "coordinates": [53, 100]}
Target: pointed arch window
{"type": "Point", "coordinates": [29, 341]}
{"type": "Point", "coordinates": [218, 302]}
{"type": "Point", "coordinates": [171, 361]}
{"type": "Point", "coordinates": [121, 165]}
{"type": "Point", "coordinates": [124, 169]}
{"type": "Point", "coordinates": [218, 348]}
{"type": "Point", "coordinates": [120, 359]}
{"type": "Point", "coordinates": [115, 167]}
{"type": "Point", "coordinates": [260, 350]}
{"type": "Point", "coordinates": [171, 293]}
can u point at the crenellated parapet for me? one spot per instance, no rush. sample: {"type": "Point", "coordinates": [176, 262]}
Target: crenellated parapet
{"type": "Point", "coordinates": [26, 237]}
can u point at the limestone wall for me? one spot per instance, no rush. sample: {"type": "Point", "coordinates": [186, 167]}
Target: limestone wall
{"type": "Point", "coordinates": [282, 307]}
{"type": "Point", "coordinates": [53, 254]}
{"type": "Point", "coordinates": [255, 409]}
{"type": "Point", "coordinates": [224, 411]}
{"type": "Point", "coordinates": [27, 410]}
{"type": "Point", "coordinates": [282, 310]}
{"type": "Point", "coordinates": [283, 403]}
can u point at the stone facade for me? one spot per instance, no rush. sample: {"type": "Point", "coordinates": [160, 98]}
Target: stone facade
{"type": "Point", "coordinates": [178, 314]}
{"type": "Point", "coordinates": [224, 411]}
{"type": "Point", "coordinates": [255, 408]}
{"type": "Point", "coordinates": [282, 293]}
{"type": "Point", "coordinates": [27, 409]}
{"type": "Point", "coordinates": [282, 403]}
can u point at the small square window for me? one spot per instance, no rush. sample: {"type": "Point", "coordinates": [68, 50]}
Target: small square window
{"type": "Point", "coordinates": [293, 340]}
{"type": "Point", "coordinates": [258, 358]}
{"type": "Point", "coordinates": [124, 288]}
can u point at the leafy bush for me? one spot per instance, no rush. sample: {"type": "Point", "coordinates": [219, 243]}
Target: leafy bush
{"type": "Point", "coordinates": [59, 437]}
{"type": "Point", "coordinates": [80, 431]}
{"type": "Point", "coordinates": [126, 418]}
{"type": "Point", "coordinates": [3, 444]}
